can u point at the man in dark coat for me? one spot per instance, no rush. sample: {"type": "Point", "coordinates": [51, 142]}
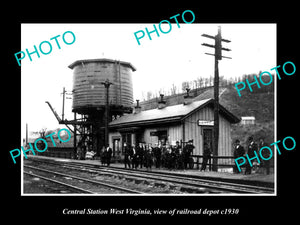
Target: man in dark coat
{"type": "Point", "coordinates": [164, 158]}
{"type": "Point", "coordinates": [127, 155]}
{"type": "Point", "coordinates": [239, 151]}
{"type": "Point", "coordinates": [103, 156]}
{"type": "Point", "coordinates": [140, 154]}
{"type": "Point", "coordinates": [173, 158]}
{"type": "Point", "coordinates": [179, 159]}
{"type": "Point", "coordinates": [108, 155]}
{"type": "Point", "coordinates": [206, 156]}
{"type": "Point", "coordinates": [265, 154]}
{"type": "Point", "coordinates": [148, 158]}
{"type": "Point", "coordinates": [168, 157]}
{"type": "Point", "coordinates": [134, 161]}
{"type": "Point", "coordinates": [177, 147]}
{"type": "Point", "coordinates": [252, 147]}
{"type": "Point", "coordinates": [157, 155]}
{"type": "Point", "coordinates": [187, 152]}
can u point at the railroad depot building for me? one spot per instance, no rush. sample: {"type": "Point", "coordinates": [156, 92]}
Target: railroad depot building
{"type": "Point", "coordinates": [192, 120]}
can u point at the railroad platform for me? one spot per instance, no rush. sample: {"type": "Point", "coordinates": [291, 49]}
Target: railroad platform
{"type": "Point", "coordinates": [261, 179]}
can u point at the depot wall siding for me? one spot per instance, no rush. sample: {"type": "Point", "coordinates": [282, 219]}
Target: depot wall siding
{"type": "Point", "coordinates": [175, 133]}
{"type": "Point", "coordinates": [224, 138]}
{"type": "Point", "coordinates": [195, 132]}
{"type": "Point", "coordinates": [150, 139]}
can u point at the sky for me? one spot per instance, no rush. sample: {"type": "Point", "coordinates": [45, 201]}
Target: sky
{"type": "Point", "coordinates": [165, 60]}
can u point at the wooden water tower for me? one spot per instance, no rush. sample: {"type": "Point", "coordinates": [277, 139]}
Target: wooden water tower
{"type": "Point", "coordinates": [89, 98]}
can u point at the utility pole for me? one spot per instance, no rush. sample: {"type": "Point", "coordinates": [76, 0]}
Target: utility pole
{"type": "Point", "coordinates": [63, 105]}
{"type": "Point", "coordinates": [26, 140]}
{"type": "Point", "coordinates": [75, 136]}
{"type": "Point", "coordinates": [218, 56]}
{"type": "Point", "coordinates": [106, 118]}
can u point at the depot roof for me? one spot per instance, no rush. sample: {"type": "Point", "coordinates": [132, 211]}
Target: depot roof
{"type": "Point", "coordinates": [169, 114]}
{"type": "Point", "coordinates": [71, 66]}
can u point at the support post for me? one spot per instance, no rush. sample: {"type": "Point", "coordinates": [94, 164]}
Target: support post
{"type": "Point", "coordinates": [218, 56]}
{"type": "Point", "coordinates": [216, 117]}
{"type": "Point", "coordinates": [26, 140]}
{"type": "Point", "coordinates": [75, 133]}
{"type": "Point", "coordinates": [106, 117]}
{"type": "Point", "coordinates": [63, 105]}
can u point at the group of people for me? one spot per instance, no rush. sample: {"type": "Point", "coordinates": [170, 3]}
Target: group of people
{"type": "Point", "coordinates": [178, 157]}
{"type": "Point", "coordinates": [252, 147]}
{"type": "Point", "coordinates": [170, 157]}
{"type": "Point", "coordinates": [106, 154]}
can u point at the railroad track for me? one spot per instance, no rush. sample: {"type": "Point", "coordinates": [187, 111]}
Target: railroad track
{"type": "Point", "coordinates": [77, 188]}
{"type": "Point", "coordinates": [212, 186]}
{"type": "Point", "coordinates": [193, 182]}
{"type": "Point", "coordinates": [69, 186]}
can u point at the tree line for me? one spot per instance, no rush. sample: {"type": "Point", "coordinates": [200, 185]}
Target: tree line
{"type": "Point", "coordinates": [204, 82]}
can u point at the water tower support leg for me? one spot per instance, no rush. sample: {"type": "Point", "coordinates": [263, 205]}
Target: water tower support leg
{"type": "Point", "coordinates": [75, 134]}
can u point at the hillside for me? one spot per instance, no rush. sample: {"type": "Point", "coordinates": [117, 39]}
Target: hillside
{"type": "Point", "coordinates": [257, 104]}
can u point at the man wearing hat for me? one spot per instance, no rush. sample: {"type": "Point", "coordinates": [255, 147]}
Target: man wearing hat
{"type": "Point", "coordinates": [187, 152]}
{"type": "Point", "coordinates": [252, 147]}
{"type": "Point", "coordinates": [239, 151]}
{"type": "Point", "coordinates": [206, 156]}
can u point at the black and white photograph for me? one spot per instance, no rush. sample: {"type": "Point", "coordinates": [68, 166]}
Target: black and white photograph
{"type": "Point", "coordinates": [180, 113]}
{"type": "Point", "coordinates": [117, 114]}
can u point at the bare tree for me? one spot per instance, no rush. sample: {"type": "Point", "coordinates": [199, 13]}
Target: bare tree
{"type": "Point", "coordinates": [42, 132]}
{"type": "Point", "coordinates": [184, 85]}
{"type": "Point", "coordinates": [149, 95]}
{"type": "Point", "coordinates": [200, 81]}
{"type": "Point", "coordinates": [173, 89]}
{"type": "Point", "coordinates": [143, 96]}
{"type": "Point", "coordinates": [162, 91]}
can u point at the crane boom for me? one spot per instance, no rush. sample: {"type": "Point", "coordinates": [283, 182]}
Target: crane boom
{"type": "Point", "coordinates": [54, 112]}
{"type": "Point", "coordinates": [60, 121]}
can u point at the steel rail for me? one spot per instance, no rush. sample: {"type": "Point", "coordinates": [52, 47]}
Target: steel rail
{"type": "Point", "coordinates": [182, 177]}
{"type": "Point", "coordinates": [87, 180]}
{"type": "Point", "coordinates": [60, 183]}
{"type": "Point", "coordinates": [211, 184]}
{"type": "Point", "coordinates": [177, 180]}
{"type": "Point", "coordinates": [240, 188]}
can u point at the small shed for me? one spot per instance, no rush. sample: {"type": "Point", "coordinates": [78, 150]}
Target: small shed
{"type": "Point", "coordinates": [246, 120]}
{"type": "Point", "coordinates": [192, 120]}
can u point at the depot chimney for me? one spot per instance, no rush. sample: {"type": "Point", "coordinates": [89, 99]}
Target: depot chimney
{"type": "Point", "coordinates": [187, 98]}
{"type": "Point", "coordinates": [161, 102]}
{"type": "Point", "coordinates": [137, 108]}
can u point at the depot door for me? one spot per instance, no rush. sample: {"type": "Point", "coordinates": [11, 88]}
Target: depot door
{"type": "Point", "coordinates": [126, 138]}
{"type": "Point", "coordinates": [162, 136]}
{"type": "Point", "coordinates": [116, 147]}
{"type": "Point", "coordinates": [208, 139]}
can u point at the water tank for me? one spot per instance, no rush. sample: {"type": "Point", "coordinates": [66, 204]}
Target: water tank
{"type": "Point", "coordinates": [89, 93]}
